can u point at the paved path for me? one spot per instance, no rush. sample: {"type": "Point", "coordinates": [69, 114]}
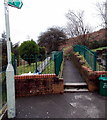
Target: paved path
{"type": "Point", "coordinates": [67, 105]}
{"type": "Point", "coordinates": [71, 73]}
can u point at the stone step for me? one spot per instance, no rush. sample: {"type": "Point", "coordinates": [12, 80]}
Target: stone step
{"type": "Point", "coordinates": [75, 90]}
{"type": "Point", "coordinates": [75, 85]}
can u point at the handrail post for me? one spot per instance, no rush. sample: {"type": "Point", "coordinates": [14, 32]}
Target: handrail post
{"type": "Point", "coordinates": [55, 64]}
{"type": "Point", "coordinates": [95, 61]}
{"type": "Point", "coordinates": [106, 61]}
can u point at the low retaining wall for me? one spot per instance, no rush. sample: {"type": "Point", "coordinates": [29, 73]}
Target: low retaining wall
{"type": "Point", "coordinates": [30, 85]}
{"type": "Point", "coordinates": [90, 76]}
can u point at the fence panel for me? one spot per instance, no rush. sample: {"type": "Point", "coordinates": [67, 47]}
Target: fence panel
{"type": "Point", "coordinates": [3, 95]}
{"type": "Point", "coordinates": [58, 58]}
{"type": "Point", "coordinates": [33, 65]}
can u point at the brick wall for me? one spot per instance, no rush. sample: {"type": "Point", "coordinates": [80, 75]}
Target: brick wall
{"type": "Point", "coordinates": [90, 76]}
{"type": "Point", "coordinates": [30, 85]}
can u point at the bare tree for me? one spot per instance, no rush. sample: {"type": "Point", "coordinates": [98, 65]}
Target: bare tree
{"type": "Point", "coordinates": [52, 39]}
{"type": "Point", "coordinates": [102, 10]}
{"type": "Point", "coordinates": [76, 26]}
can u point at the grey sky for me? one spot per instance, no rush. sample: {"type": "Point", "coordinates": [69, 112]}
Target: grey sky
{"type": "Point", "coordinates": [38, 15]}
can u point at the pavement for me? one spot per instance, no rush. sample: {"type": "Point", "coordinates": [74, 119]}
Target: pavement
{"type": "Point", "coordinates": [67, 105]}
{"type": "Point", "coordinates": [71, 73]}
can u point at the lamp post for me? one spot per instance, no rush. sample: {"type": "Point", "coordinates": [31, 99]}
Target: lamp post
{"type": "Point", "coordinates": [10, 83]}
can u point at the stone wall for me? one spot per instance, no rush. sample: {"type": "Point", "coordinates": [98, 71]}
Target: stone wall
{"type": "Point", "coordinates": [90, 76]}
{"type": "Point", "coordinates": [31, 85]}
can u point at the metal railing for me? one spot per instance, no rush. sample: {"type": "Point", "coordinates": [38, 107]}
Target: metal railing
{"type": "Point", "coordinates": [3, 94]}
{"type": "Point", "coordinates": [92, 58]}
{"type": "Point", "coordinates": [31, 64]}
{"type": "Point", "coordinates": [58, 58]}
{"type": "Point", "coordinates": [38, 64]}
{"type": "Point", "coordinates": [89, 55]}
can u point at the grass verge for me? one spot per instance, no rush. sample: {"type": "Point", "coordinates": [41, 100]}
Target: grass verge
{"type": "Point", "coordinates": [101, 48]}
{"type": "Point", "coordinates": [27, 68]}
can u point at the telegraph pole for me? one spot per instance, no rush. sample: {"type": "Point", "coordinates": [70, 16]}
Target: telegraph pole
{"type": "Point", "coordinates": [10, 83]}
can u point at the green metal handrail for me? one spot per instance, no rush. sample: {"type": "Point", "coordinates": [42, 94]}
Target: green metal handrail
{"type": "Point", "coordinates": [58, 58]}
{"type": "Point", "coordinates": [90, 56]}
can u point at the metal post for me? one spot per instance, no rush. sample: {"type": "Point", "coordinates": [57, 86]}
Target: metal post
{"type": "Point", "coordinates": [106, 61]}
{"type": "Point", "coordinates": [106, 15]}
{"type": "Point", "coordinates": [36, 63]}
{"type": "Point", "coordinates": [9, 71]}
{"type": "Point", "coordinates": [95, 61]}
{"type": "Point", "coordinates": [14, 63]}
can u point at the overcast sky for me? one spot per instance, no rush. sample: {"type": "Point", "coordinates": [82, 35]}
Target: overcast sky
{"type": "Point", "coordinates": [38, 15]}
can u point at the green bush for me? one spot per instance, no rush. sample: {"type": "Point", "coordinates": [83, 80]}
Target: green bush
{"type": "Point", "coordinates": [27, 50]}
{"type": "Point", "coordinates": [42, 53]}
{"type": "Point", "coordinates": [96, 44]}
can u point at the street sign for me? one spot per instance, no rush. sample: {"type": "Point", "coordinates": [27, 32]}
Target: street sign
{"type": "Point", "coordinates": [15, 3]}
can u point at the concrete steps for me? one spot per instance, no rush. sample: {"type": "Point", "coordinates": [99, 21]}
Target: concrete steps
{"type": "Point", "coordinates": [75, 90]}
{"type": "Point", "coordinates": [75, 87]}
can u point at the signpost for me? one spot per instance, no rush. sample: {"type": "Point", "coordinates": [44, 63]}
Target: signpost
{"type": "Point", "coordinates": [15, 3]}
{"type": "Point", "coordinates": [10, 83]}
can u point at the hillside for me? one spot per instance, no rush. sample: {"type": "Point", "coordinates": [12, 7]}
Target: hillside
{"type": "Point", "coordinates": [95, 36]}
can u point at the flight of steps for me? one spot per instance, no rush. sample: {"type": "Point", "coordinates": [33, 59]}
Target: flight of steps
{"type": "Point", "coordinates": [75, 87]}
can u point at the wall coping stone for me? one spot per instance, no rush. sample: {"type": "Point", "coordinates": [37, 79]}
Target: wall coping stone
{"type": "Point", "coordinates": [35, 76]}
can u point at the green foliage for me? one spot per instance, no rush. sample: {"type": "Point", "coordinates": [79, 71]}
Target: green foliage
{"type": "Point", "coordinates": [28, 49]}
{"type": "Point", "coordinates": [42, 50]}
{"type": "Point", "coordinates": [100, 48]}
{"type": "Point", "coordinates": [3, 52]}
{"type": "Point", "coordinates": [42, 53]}
{"type": "Point", "coordinates": [97, 44]}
